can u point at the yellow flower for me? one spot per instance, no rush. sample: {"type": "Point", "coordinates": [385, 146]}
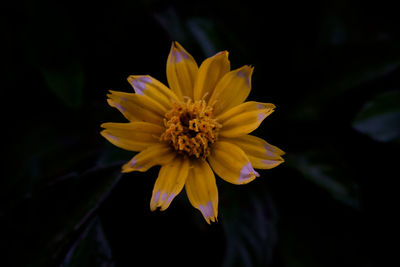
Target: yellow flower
{"type": "Point", "coordinates": [199, 125]}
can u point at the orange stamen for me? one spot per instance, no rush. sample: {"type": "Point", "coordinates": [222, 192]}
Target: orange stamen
{"type": "Point", "coordinates": [190, 128]}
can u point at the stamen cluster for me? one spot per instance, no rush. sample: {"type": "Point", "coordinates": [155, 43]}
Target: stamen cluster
{"type": "Point", "coordinates": [190, 128]}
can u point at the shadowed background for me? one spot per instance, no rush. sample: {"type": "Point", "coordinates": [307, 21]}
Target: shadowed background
{"type": "Point", "coordinates": [331, 68]}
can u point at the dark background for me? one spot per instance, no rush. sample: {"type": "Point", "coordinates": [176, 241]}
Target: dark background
{"type": "Point", "coordinates": [332, 69]}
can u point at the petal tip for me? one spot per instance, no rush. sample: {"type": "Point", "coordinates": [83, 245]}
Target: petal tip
{"type": "Point", "coordinates": [261, 116]}
{"type": "Point", "coordinates": [139, 83]}
{"type": "Point", "coordinates": [167, 201]}
{"type": "Point", "coordinates": [267, 106]}
{"type": "Point", "coordinates": [247, 174]}
{"type": "Point", "coordinates": [272, 163]}
{"type": "Point", "coordinates": [273, 151]}
{"type": "Point", "coordinates": [112, 138]}
{"type": "Point", "coordinates": [223, 53]}
{"type": "Point", "coordinates": [177, 53]}
{"type": "Point", "coordinates": [154, 200]}
{"type": "Point", "coordinates": [208, 212]}
{"type": "Point", "coordinates": [131, 166]}
{"type": "Point", "coordinates": [245, 72]}
{"type": "Point", "coordinates": [116, 105]}
{"type": "Point", "coordinates": [161, 200]}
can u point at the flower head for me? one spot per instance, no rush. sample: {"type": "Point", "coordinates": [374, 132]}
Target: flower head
{"type": "Point", "coordinates": [197, 126]}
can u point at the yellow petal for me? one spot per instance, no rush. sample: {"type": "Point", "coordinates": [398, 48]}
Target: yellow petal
{"type": "Point", "coordinates": [137, 107]}
{"type": "Point", "coordinates": [232, 89]}
{"type": "Point", "coordinates": [210, 73]}
{"type": "Point", "coordinates": [260, 163]}
{"type": "Point", "coordinates": [201, 190]}
{"type": "Point", "coordinates": [158, 154]}
{"type": "Point", "coordinates": [231, 163]}
{"type": "Point", "coordinates": [133, 136]}
{"type": "Point", "coordinates": [181, 71]}
{"type": "Point", "coordinates": [262, 155]}
{"type": "Point", "coordinates": [169, 183]}
{"type": "Point", "coordinates": [147, 85]}
{"type": "Point", "coordinates": [243, 118]}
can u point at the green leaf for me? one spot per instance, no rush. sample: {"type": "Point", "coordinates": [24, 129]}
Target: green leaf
{"type": "Point", "coordinates": [380, 117]}
{"type": "Point", "coordinates": [66, 83]}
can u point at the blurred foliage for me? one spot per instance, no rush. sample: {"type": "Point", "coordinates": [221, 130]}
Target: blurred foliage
{"type": "Point", "coordinates": [91, 248]}
{"type": "Point", "coordinates": [380, 117]}
{"type": "Point", "coordinates": [353, 69]}
{"type": "Point", "coordinates": [331, 175]}
{"type": "Point", "coordinates": [250, 230]}
{"type": "Point", "coordinates": [331, 67]}
{"type": "Point", "coordinates": [52, 217]}
{"type": "Point", "coordinates": [67, 84]}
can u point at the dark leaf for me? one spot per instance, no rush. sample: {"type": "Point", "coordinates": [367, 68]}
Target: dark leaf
{"type": "Point", "coordinates": [66, 83]}
{"type": "Point", "coordinates": [249, 224]}
{"type": "Point", "coordinates": [172, 24]}
{"type": "Point", "coordinates": [204, 31]}
{"type": "Point", "coordinates": [380, 118]}
{"type": "Point", "coordinates": [194, 31]}
{"type": "Point", "coordinates": [56, 215]}
{"type": "Point", "coordinates": [349, 69]}
{"type": "Point", "coordinates": [329, 174]}
{"type": "Point", "coordinates": [91, 248]}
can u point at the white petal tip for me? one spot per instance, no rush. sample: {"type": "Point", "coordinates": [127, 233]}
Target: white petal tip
{"type": "Point", "coordinates": [208, 212]}
{"type": "Point", "coordinates": [245, 73]}
{"type": "Point", "coordinates": [139, 83]}
{"type": "Point", "coordinates": [272, 163]}
{"type": "Point", "coordinates": [247, 174]}
{"type": "Point", "coordinates": [161, 200]}
{"type": "Point", "coordinates": [262, 116]}
{"type": "Point", "coordinates": [178, 53]}
{"type": "Point", "coordinates": [116, 105]}
{"type": "Point", "coordinates": [111, 137]}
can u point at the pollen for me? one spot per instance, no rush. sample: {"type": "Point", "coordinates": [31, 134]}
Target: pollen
{"type": "Point", "coordinates": [190, 128]}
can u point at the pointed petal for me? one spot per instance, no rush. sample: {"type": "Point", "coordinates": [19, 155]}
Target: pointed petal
{"type": "Point", "coordinates": [232, 89]}
{"type": "Point", "coordinates": [262, 155]}
{"type": "Point", "coordinates": [243, 118]}
{"type": "Point", "coordinates": [181, 71]}
{"type": "Point", "coordinates": [147, 85]}
{"type": "Point", "coordinates": [158, 154]}
{"type": "Point", "coordinates": [169, 183]}
{"type": "Point", "coordinates": [137, 107]}
{"type": "Point", "coordinates": [133, 136]}
{"type": "Point", "coordinates": [210, 73]}
{"type": "Point", "coordinates": [265, 164]}
{"type": "Point", "coordinates": [202, 191]}
{"type": "Point", "coordinates": [231, 163]}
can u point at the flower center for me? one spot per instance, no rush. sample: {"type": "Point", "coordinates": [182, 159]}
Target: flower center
{"type": "Point", "coordinates": [190, 128]}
